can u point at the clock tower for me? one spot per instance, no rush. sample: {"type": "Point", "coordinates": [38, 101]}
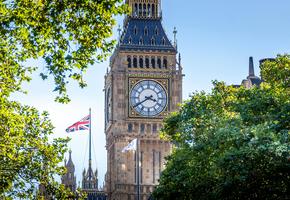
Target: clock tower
{"type": "Point", "coordinates": [142, 86]}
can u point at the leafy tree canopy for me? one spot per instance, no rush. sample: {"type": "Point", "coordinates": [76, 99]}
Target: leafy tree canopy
{"type": "Point", "coordinates": [232, 143]}
{"type": "Point", "coordinates": [69, 36]}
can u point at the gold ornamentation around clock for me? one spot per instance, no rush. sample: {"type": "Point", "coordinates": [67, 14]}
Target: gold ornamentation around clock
{"type": "Point", "coordinates": [148, 98]}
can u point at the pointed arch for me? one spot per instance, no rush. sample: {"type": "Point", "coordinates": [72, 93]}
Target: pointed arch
{"type": "Point", "coordinates": [141, 62]}
{"type": "Point", "coordinates": [147, 63]}
{"type": "Point", "coordinates": [153, 10]}
{"type": "Point", "coordinates": [153, 62]}
{"type": "Point", "coordinates": [129, 60]}
{"type": "Point", "coordinates": [135, 62]}
{"type": "Point", "coordinates": [165, 63]}
{"type": "Point", "coordinates": [159, 63]}
{"type": "Point", "coordinates": [144, 10]}
{"type": "Point", "coordinates": [153, 42]}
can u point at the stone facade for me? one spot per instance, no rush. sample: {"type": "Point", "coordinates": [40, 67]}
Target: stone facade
{"type": "Point", "coordinates": [144, 55]}
{"type": "Point", "coordinates": [69, 179]}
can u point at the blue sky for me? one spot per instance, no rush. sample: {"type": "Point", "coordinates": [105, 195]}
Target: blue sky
{"type": "Point", "coordinates": [215, 39]}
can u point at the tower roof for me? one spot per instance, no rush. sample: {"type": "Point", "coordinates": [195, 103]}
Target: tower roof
{"type": "Point", "coordinates": [145, 34]}
{"type": "Point", "coordinates": [70, 162]}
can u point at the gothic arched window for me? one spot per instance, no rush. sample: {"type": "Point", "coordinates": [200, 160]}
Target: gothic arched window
{"type": "Point", "coordinates": [140, 10]}
{"type": "Point", "coordinates": [156, 30]}
{"type": "Point", "coordinates": [159, 63]}
{"type": "Point", "coordinates": [146, 31]}
{"type": "Point", "coordinates": [163, 41]}
{"type": "Point", "coordinates": [147, 64]}
{"type": "Point", "coordinates": [165, 63]}
{"type": "Point", "coordinates": [135, 30]}
{"type": "Point", "coordinates": [129, 62]}
{"type": "Point", "coordinates": [142, 128]}
{"type": "Point", "coordinates": [144, 9]}
{"type": "Point", "coordinates": [130, 128]}
{"type": "Point", "coordinates": [141, 62]}
{"type": "Point", "coordinates": [135, 9]}
{"type": "Point", "coordinates": [153, 62]}
{"type": "Point", "coordinates": [141, 41]}
{"type": "Point", "coordinates": [148, 10]}
{"type": "Point", "coordinates": [135, 62]}
{"type": "Point", "coordinates": [154, 128]}
{"type": "Point", "coordinates": [153, 10]}
{"type": "Point", "coordinates": [152, 41]}
{"type": "Point", "coordinates": [130, 40]}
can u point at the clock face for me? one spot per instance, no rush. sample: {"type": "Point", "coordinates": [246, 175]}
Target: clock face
{"type": "Point", "coordinates": [148, 98]}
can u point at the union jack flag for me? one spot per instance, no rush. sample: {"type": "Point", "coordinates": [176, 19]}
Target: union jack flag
{"type": "Point", "coordinates": [83, 124]}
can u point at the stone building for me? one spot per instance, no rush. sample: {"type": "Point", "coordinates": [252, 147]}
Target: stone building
{"type": "Point", "coordinates": [90, 184]}
{"type": "Point", "coordinates": [143, 85]}
{"type": "Point", "coordinates": [69, 179]}
{"type": "Point", "coordinates": [89, 181]}
{"type": "Point", "coordinates": [252, 79]}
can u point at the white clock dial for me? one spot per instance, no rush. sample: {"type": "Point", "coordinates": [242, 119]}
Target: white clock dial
{"type": "Point", "coordinates": [148, 98]}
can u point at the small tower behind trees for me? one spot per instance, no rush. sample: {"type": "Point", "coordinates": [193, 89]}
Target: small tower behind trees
{"type": "Point", "coordinates": [69, 179]}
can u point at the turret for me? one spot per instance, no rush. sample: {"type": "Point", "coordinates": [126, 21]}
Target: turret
{"type": "Point", "coordinates": [69, 179]}
{"type": "Point", "coordinates": [145, 8]}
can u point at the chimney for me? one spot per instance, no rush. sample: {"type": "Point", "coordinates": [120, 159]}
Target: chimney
{"type": "Point", "coordinates": [251, 67]}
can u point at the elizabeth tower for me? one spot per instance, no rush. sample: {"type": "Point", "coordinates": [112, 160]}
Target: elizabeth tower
{"type": "Point", "coordinates": [142, 86]}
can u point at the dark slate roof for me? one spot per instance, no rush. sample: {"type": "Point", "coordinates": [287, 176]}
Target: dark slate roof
{"type": "Point", "coordinates": [255, 81]}
{"type": "Point", "coordinates": [130, 40]}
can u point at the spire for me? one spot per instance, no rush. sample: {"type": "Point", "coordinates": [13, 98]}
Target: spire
{"type": "Point", "coordinates": [175, 40]}
{"type": "Point", "coordinates": [70, 162]}
{"type": "Point", "coordinates": [251, 67]}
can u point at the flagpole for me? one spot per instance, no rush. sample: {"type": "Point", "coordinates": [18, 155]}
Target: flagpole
{"type": "Point", "coordinates": [90, 146]}
{"type": "Point", "coordinates": [138, 168]}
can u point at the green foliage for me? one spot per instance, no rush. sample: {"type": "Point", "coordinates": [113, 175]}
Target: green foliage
{"type": "Point", "coordinates": [232, 143]}
{"type": "Point", "coordinates": [26, 155]}
{"type": "Point", "coordinates": [69, 36]}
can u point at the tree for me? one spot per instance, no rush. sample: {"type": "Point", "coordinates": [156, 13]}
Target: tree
{"type": "Point", "coordinates": [232, 143]}
{"type": "Point", "coordinates": [69, 36]}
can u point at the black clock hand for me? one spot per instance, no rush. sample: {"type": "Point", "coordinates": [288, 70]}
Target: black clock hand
{"type": "Point", "coordinates": [146, 98]}
{"type": "Point", "coordinates": [154, 100]}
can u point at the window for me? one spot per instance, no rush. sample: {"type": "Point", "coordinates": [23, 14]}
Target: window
{"type": "Point", "coordinates": [141, 62]}
{"type": "Point", "coordinates": [153, 10]}
{"type": "Point", "coordinates": [130, 128]}
{"type": "Point", "coordinates": [156, 31]}
{"type": "Point", "coordinates": [135, 30]}
{"type": "Point", "coordinates": [148, 10]}
{"type": "Point", "coordinates": [130, 40]}
{"type": "Point", "coordinates": [135, 62]}
{"type": "Point", "coordinates": [144, 9]}
{"type": "Point", "coordinates": [129, 62]}
{"type": "Point", "coordinates": [140, 10]}
{"type": "Point", "coordinates": [146, 31]}
{"type": "Point", "coordinates": [159, 63]}
{"type": "Point", "coordinates": [152, 41]}
{"type": "Point", "coordinates": [154, 128]}
{"type": "Point", "coordinates": [163, 41]}
{"type": "Point", "coordinates": [153, 63]}
{"type": "Point", "coordinates": [147, 64]}
{"type": "Point", "coordinates": [165, 63]}
{"type": "Point", "coordinates": [141, 41]}
{"type": "Point", "coordinates": [135, 9]}
{"type": "Point", "coordinates": [142, 128]}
